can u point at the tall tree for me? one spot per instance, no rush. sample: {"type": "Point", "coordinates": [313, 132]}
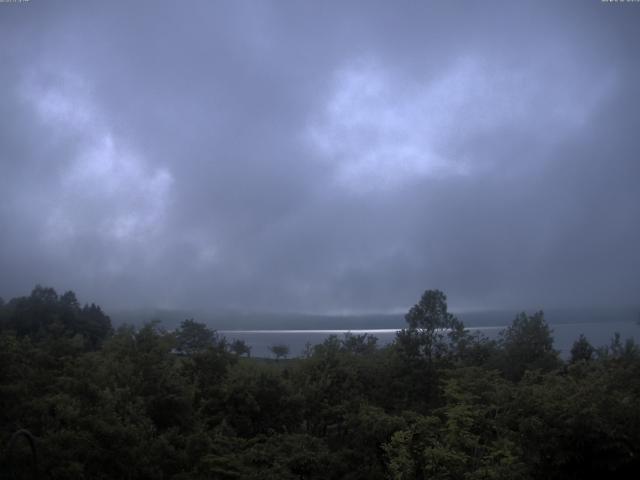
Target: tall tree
{"type": "Point", "coordinates": [193, 337]}
{"type": "Point", "coordinates": [528, 345]}
{"type": "Point", "coordinates": [581, 350]}
{"type": "Point", "coordinates": [433, 331]}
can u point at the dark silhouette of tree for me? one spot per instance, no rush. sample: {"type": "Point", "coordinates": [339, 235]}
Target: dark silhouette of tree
{"type": "Point", "coordinates": [433, 332]}
{"type": "Point", "coordinates": [528, 345]}
{"type": "Point", "coordinates": [69, 300]}
{"type": "Point", "coordinates": [582, 350]}
{"type": "Point", "coordinates": [93, 323]}
{"type": "Point", "coordinates": [240, 347]}
{"type": "Point", "coordinates": [44, 315]}
{"type": "Point", "coordinates": [359, 344]}
{"type": "Point", "coordinates": [193, 337]}
{"type": "Point", "coordinates": [430, 343]}
{"type": "Point", "coordinates": [617, 350]}
{"type": "Point", "coordinates": [280, 351]}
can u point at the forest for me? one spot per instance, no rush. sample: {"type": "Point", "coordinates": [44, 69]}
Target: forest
{"type": "Point", "coordinates": [144, 402]}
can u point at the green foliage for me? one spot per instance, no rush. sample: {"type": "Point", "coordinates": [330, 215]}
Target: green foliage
{"type": "Point", "coordinates": [280, 351]}
{"type": "Point", "coordinates": [193, 337]}
{"type": "Point", "coordinates": [430, 312]}
{"type": "Point", "coordinates": [144, 403]}
{"type": "Point", "coordinates": [617, 351]}
{"type": "Point", "coordinates": [527, 345]}
{"type": "Point", "coordinates": [259, 401]}
{"type": "Point", "coordinates": [433, 332]}
{"type": "Point", "coordinates": [465, 438]}
{"type": "Point", "coordinates": [43, 315]}
{"type": "Point", "coordinates": [582, 350]}
{"type": "Point", "coordinates": [434, 340]}
{"type": "Point", "coordinates": [359, 344]}
{"type": "Point", "coordinates": [240, 348]}
{"type": "Point", "coordinates": [584, 424]}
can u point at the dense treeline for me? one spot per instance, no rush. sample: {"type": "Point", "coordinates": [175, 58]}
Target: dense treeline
{"type": "Point", "coordinates": [438, 403]}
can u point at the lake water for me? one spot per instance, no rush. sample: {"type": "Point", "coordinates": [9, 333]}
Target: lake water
{"type": "Point", "coordinates": [598, 333]}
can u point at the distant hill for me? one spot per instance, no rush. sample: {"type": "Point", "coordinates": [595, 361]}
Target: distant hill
{"type": "Point", "coordinates": [234, 320]}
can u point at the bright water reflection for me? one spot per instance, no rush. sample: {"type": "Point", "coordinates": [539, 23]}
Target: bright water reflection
{"type": "Point", "coordinates": [564, 335]}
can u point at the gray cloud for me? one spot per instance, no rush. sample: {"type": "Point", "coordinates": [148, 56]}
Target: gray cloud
{"type": "Point", "coordinates": [333, 156]}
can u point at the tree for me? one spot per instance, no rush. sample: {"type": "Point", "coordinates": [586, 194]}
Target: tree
{"type": "Point", "coordinates": [308, 350]}
{"type": "Point", "coordinates": [43, 295]}
{"type": "Point", "coordinates": [92, 323]}
{"type": "Point", "coordinates": [359, 344]}
{"type": "Point", "coordinates": [280, 351]}
{"type": "Point", "coordinates": [431, 342]}
{"type": "Point", "coordinates": [616, 350]}
{"type": "Point", "coordinates": [193, 337]}
{"type": "Point", "coordinates": [528, 345]}
{"type": "Point", "coordinates": [45, 316]}
{"type": "Point", "coordinates": [581, 350]}
{"type": "Point", "coordinates": [36, 314]}
{"type": "Point", "coordinates": [240, 347]}
{"type": "Point", "coordinates": [69, 300]}
{"type": "Point", "coordinates": [259, 400]}
{"type": "Point", "coordinates": [433, 331]}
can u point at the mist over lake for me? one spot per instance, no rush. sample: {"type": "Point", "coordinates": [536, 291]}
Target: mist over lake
{"type": "Point", "coordinates": [262, 330]}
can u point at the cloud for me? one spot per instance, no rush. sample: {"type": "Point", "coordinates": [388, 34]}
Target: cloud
{"type": "Point", "coordinates": [383, 129]}
{"type": "Point", "coordinates": [103, 191]}
{"type": "Point", "coordinates": [320, 157]}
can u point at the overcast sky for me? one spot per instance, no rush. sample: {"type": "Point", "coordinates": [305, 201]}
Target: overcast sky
{"type": "Point", "coordinates": [321, 156]}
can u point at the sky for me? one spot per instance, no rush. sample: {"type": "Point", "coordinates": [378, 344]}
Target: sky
{"type": "Point", "coordinates": [323, 157]}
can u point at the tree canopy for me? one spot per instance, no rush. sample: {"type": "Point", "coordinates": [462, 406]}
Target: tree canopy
{"type": "Point", "coordinates": [147, 403]}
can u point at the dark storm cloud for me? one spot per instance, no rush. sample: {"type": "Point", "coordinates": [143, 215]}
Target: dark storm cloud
{"type": "Point", "coordinates": [321, 156]}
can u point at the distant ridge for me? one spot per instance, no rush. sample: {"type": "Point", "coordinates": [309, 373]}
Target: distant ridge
{"type": "Point", "coordinates": [234, 320]}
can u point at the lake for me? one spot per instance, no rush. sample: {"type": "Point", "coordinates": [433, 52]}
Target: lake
{"type": "Point", "coordinates": [598, 333]}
